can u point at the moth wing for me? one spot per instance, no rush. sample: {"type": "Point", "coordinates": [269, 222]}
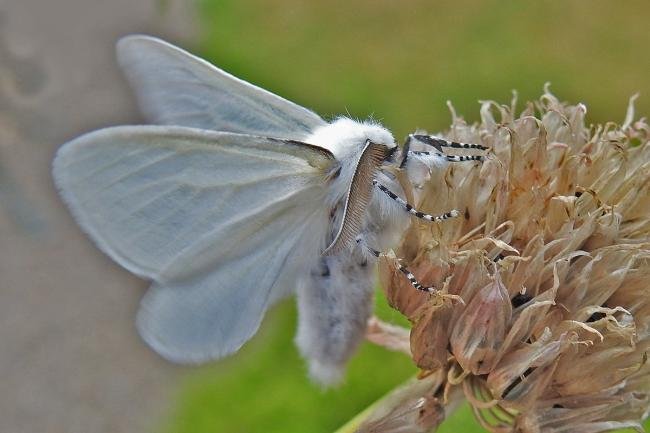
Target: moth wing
{"type": "Point", "coordinates": [215, 219]}
{"type": "Point", "coordinates": [174, 87]}
{"type": "Point", "coordinates": [213, 314]}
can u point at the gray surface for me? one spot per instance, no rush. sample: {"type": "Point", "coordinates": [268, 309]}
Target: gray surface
{"type": "Point", "coordinates": [70, 358]}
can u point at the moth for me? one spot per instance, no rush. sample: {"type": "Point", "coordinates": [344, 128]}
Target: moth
{"type": "Point", "coordinates": [233, 198]}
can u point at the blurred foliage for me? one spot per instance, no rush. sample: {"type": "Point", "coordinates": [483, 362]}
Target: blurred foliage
{"type": "Point", "coordinates": [402, 60]}
{"type": "Point", "coordinates": [399, 62]}
{"type": "Point", "coordinates": [265, 386]}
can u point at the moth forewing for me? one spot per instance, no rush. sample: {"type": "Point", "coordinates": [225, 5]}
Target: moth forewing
{"type": "Point", "coordinates": [213, 218]}
{"type": "Point", "coordinates": [174, 87]}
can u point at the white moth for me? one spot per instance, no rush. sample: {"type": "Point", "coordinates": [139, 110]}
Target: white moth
{"type": "Point", "coordinates": [234, 199]}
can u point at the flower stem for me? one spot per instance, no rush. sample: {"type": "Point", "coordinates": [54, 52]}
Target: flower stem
{"type": "Point", "coordinates": [352, 425]}
{"type": "Point", "coordinates": [417, 404]}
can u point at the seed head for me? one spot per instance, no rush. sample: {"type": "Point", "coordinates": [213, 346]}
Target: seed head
{"type": "Point", "coordinates": [542, 317]}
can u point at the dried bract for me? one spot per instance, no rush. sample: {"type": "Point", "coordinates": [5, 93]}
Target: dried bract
{"type": "Point", "coordinates": [552, 264]}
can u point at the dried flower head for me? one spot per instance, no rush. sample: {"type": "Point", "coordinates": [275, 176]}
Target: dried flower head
{"type": "Point", "coordinates": [543, 314]}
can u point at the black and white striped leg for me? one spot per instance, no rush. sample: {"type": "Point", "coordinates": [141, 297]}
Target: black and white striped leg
{"type": "Point", "coordinates": [403, 269]}
{"type": "Point", "coordinates": [450, 158]}
{"type": "Point", "coordinates": [410, 209]}
{"type": "Point", "coordinates": [439, 143]}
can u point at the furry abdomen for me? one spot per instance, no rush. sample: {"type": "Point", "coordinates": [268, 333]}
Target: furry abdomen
{"type": "Point", "coordinates": [335, 297]}
{"type": "Point", "coordinates": [334, 304]}
{"type": "Point", "coordinates": [335, 300]}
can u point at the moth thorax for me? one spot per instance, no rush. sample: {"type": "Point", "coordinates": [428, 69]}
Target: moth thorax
{"type": "Point", "coordinates": [346, 138]}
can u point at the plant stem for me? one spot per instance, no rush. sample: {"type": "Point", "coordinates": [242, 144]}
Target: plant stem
{"type": "Point", "coordinates": [417, 404]}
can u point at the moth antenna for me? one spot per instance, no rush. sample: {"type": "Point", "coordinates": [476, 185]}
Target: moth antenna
{"type": "Point", "coordinates": [358, 197]}
{"type": "Point", "coordinates": [403, 269]}
{"type": "Point", "coordinates": [410, 209]}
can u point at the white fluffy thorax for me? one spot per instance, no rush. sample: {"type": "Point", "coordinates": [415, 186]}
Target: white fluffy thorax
{"type": "Point", "coordinates": [346, 138]}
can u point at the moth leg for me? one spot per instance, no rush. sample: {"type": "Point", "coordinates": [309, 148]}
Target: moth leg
{"type": "Point", "coordinates": [438, 144]}
{"type": "Point", "coordinates": [450, 158]}
{"type": "Point", "coordinates": [403, 269]}
{"type": "Point", "coordinates": [410, 209]}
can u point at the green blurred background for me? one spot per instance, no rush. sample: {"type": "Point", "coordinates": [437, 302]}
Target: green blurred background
{"type": "Point", "coordinates": [398, 61]}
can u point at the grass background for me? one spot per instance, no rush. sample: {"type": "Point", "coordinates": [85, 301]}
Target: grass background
{"type": "Point", "coordinates": [399, 62]}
